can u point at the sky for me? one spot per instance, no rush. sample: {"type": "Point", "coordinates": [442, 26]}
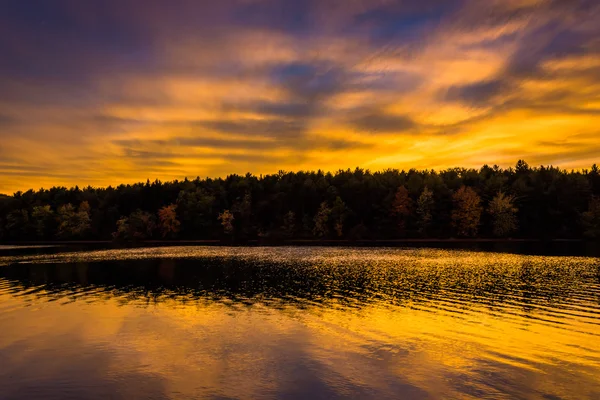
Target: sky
{"type": "Point", "coordinates": [103, 92]}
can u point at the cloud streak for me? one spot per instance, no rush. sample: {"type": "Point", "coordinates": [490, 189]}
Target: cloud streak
{"type": "Point", "coordinates": [101, 92]}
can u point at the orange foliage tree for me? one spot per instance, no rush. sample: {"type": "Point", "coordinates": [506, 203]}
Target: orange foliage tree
{"type": "Point", "coordinates": [466, 214]}
{"type": "Point", "coordinates": [169, 224]}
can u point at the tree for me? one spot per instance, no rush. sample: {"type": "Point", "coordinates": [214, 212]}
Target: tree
{"type": "Point", "coordinates": [169, 224]}
{"type": "Point", "coordinates": [591, 219]}
{"type": "Point", "coordinates": [289, 224]}
{"type": "Point", "coordinates": [338, 213]}
{"type": "Point", "coordinates": [44, 220]}
{"type": "Point", "coordinates": [242, 210]}
{"type": "Point", "coordinates": [307, 225]}
{"type": "Point", "coordinates": [123, 231]}
{"type": "Point", "coordinates": [425, 205]}
{"type": "Point", "coordinates": [321, 229]}
{"type": "Point", "coordinates": [552, 202]}
{"type": "Point", "coordinates": [142, 224]}
{"type": "Point", "coordinates": [195, 211]}
{"type": "Point", "coordinates": [73, 223]}
{"type": "Point", "coordinates": [17, 223]}
{"type": "Point", "coordinates": [503, 212]}
{"type": "Point", "coordinates": [83, 220]}
{"type": "Point", "coordinates": [467, 210]}
{"type": "Point", "coordinates": [139, 225]}
{"type": "Point", "coordinates": [401, 208]}
{"type": "Point", "coordinates": [226, 218]}
{"type": "Point", "coordinates": [521, 167]}
{"type": "Point", "coordinates": [66, 220]}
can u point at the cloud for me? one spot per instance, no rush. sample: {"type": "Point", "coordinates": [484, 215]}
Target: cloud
{"type": "Point", "coordinates": [477, 94]}
{"type": "Point", "coordinates": [207, 87]}
{"type": "Point", "coordinates": [264, 128]}
{"type": "Point", "coordinates": [379, 122]}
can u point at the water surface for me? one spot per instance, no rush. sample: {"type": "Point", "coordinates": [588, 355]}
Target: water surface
{"type": "Point", "coordinates": [294, 323]}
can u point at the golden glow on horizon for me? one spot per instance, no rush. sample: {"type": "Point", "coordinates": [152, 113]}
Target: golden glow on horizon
{"type": "Point", "coordinates": [449, 100]}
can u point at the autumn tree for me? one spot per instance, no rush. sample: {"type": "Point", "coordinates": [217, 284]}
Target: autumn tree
{"type": "Point", "coordinates": [123, 231]}
{"type": "Point", "coordinates": [504, 214]}
{"type": "Point", "coordinates": [466, 213]}
{"type": "Point", "coordinates": [401, 208]}
{"type": "Point", "coordinates": [169, 224]}
{"type": "Point", "coordinates": [591, 218]}
{"type": "Point", "coordinates": [226, 218]}
{"type": "Point", "coordinates": [321, 219]}
{"type": "Point", "coordinates": [425, 205]}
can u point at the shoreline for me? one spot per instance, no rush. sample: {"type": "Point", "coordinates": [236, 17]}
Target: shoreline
{"type": "Point", "coordinates": [257, 242]}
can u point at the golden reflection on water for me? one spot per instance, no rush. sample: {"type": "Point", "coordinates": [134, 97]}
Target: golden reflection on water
{"type": "Point", "coordinates": [299, 323]}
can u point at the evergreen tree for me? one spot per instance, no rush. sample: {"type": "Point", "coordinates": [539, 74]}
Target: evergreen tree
{"type": "Point", "coordinates": [591, 219]}
{"type": "Point", "coordinates": [321, 228]}
{"type": "Point", "coordinates": [425, 205]}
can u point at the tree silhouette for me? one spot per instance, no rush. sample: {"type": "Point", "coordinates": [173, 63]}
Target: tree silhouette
{"type": "Point", "coordinates": [226, 218]}
{"type": "Point", "coordinates": [169, 224]}
{"type": "Point", "coordinates": [425, 205]}
{"type": "Point", "coordinates": [71, 223]}
{"type": "Point", "coordinates": [321, 219]}
{"type": "Point", "coordinates": [591, 218]}
{"type": "Point", "coordinates": [401, 208]}
{"type": "Point", "coordinates": [504, 214]}
{"type": "Point", "coordinates": [466, 214]}
{"type": "Point", "coordinates": [289, 224]}
{"type": "Point", "coordinates": [353, 204]}
{"type": "Point", "coordinates": [44, 218]}
{"type": "Point", "coordinates": [338, 215]}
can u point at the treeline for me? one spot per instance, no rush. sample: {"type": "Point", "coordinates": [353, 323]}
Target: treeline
{"type": "Point", "coordinates": [520, 202]}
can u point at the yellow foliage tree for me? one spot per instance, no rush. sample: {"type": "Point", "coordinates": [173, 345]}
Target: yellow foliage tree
{"type": "Point", "coordinates": [503, 212]}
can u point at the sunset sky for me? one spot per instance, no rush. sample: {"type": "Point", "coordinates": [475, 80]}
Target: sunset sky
{"type": "Point", "coordinates": [117, 91]}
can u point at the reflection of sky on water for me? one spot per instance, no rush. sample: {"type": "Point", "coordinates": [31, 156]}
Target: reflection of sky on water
{"type": "Point", "coordinates": [305, 323]}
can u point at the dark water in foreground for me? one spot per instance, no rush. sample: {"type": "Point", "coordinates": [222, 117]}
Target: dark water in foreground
{"type": "Point", "coordinates": [295, 323]}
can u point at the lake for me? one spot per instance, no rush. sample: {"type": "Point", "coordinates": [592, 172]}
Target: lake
{"type": "Point", "coordinates": [297, 323]}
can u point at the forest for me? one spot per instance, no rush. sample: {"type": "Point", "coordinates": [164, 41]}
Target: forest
{"type": "Point", "coordinates": [490, 202]}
